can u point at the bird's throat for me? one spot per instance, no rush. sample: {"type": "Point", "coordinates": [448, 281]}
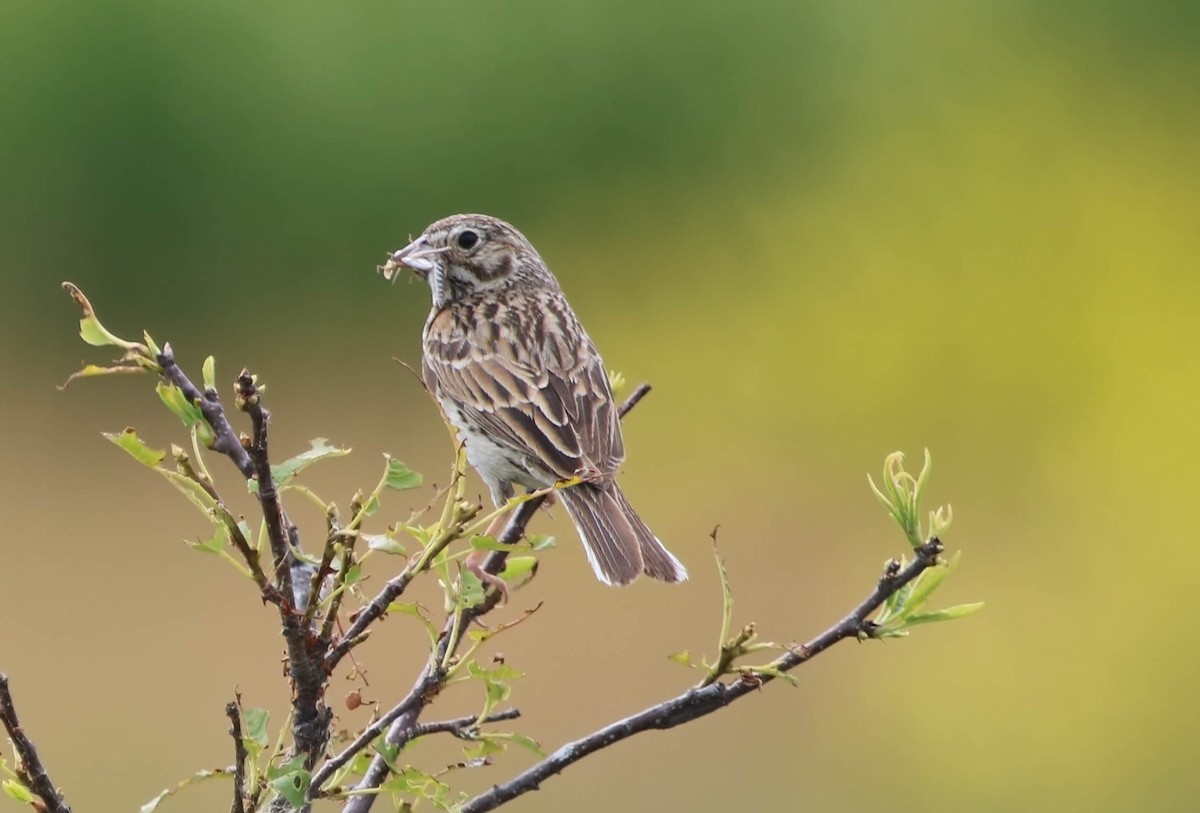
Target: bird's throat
{"type": "Point", "coordinates": [439, 286]}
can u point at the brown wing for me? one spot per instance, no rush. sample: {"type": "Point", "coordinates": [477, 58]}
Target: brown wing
{"type": "Point", "coordinates": [530, 377]}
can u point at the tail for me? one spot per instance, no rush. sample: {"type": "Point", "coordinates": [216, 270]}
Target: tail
{"type": "Point", "coordinates": [619, 545]}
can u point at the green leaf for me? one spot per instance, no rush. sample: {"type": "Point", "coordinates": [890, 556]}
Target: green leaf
{"type": "Point", "coordinates": [195, 493]}
{"type": "Point", "coordinates": [415, 609]}
{"type": "Point", "coordinates": [420, 534]}
{"type": "Point", "coordinates": [412, 608]}
{"type": "Point", "coordinates": [320, 450]}
{"type": "Point", "coordinates": [361, 762]}
{"type": "Point", "coordinates": [485, 747]}
{"type": "Point", "coordinates": [926, 583]}
{"type": "Point", "coordinates": [528, 743]}
{"type": "Point", "coordinates": [130, 442]}
{"type": "Point", "coordinates": [214, 545]}
{"type": "Point", "coordinates": [726, 596]}
{"type": "Point", "coordinates": [616, 381]}
{"type": "Point", "coordinates": [501, 671]}
{"type": "Point", "coordinates": [683, 658]}
{"type": "Point", "coordinates": [90, 370]}
{"type": "Point", "coordinates": [354, 575]}
{"type": "Point", "coordinates": [399, 476]}
{"type": "Point", "coordinates": [291, 781]}
{"type": "Point", "coordinates": [151, 345]}
{"type": "Point", "coordinates": [256, 725]}
{"type": "Point", "coordinates": [947, 614]}
{"type": "Point", "coordinates": [518, 569]}
{"type": "Point", "coordinates": [488, 543]}
{"type": "Point", "coordinates": [387, 750]}
{"type": "Point", "coordinates": [178, 403]}
{"type": "Point", "coordinates": [471, 589]}
{"type": "Point", "coordinates": [97, 335]}
{"type": "Point", "coordinates": [901, 494]}
{"type": "Point", "coordinates": [497, 692]}
{"type": "Point", "coordinates": [541, 542]}
{"type": "Point", "coordinates": [495, 683]}
{"type": "Point", "coordinates": [208, 371]}
{"type": "Point", "coordinates": [92, 332]}
{"type": "Point", "coordinates": [17, 791]}
{"type": "Point", "coordinates": [383, 543]}
{"type": "Point", "coordinates": [198, 776]}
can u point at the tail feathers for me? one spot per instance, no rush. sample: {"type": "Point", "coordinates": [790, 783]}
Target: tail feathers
{"type": "Point", "coordinates": [619, 545]}
{"type": "Point", "coordinates": [657, 562]}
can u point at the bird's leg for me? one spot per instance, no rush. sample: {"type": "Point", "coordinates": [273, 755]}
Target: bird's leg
{"type": "Point", "coordinates": [476, 559]}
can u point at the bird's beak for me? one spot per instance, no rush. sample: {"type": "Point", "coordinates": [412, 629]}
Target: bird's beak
{"type": "Point", "coordinates": [417, 255]}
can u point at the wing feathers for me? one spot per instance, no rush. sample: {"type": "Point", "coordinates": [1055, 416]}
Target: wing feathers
{"type": "Point", "coordinates": [530, 378]}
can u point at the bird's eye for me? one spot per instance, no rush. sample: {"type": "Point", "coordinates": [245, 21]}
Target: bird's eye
{"type": "Point", "coordinates": [467, 239]}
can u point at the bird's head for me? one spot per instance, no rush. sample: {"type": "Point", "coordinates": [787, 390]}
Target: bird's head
{"type": "Point", "coordinates": [464, 254]}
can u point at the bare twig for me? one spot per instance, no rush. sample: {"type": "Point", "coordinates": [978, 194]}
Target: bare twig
{"type": "Point", "coordinates": [29, 769]}
{"type": "Point", "coordinates": [464, 727]}
{"type": "Point", "coordinates": [702, 701]}
{"type": "Point", "coordinates": [401, 720]}
{"type": "Point", "coordinates": [234, 713]}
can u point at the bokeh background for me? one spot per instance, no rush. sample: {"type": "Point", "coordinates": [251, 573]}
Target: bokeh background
{"type": "Point", "coordinates": [822, 231]}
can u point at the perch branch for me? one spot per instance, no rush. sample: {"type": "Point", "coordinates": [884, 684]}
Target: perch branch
{"type": "Point", "coordinates": [29, 769]}
{"type": "Point", "coordinates": [234, 713]}
{"type": "Point", "coordinates": [401, 720]}
{"type": "Point", "coordinates": [700, 702]}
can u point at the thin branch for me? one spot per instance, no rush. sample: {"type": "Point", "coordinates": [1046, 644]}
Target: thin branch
{"type": "Point", "coordinates": [249, 400]}
{"type": "Point", "coordinates": [401, 720]}
{"type": "Point", "coordinates": [251, 556]}
{"type": "Point", "coordinates": [464, 727]}
{"type": "Point", "coordinates": [395, 587]}
{"type": "Point", "coordinates": [333, 529]}
{"type": "Point", "coordinates": [418, 696]}
{"type": "Point", "coordinates": [234, 713]}
{"type": "Point", "coordinates": [29, 770]}
{"type": "Point", "coordinates": [226, 439]}
{"type": "Point", "coordinates": [311, 718]}
{"type": "Point", "coordinates": [225, 442]}
{"type": "Point", "coordinates": [700, 702]}
{"type": "Point", "coordinates": [639, 392]}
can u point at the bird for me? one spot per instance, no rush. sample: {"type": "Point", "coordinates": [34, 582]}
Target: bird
{"type": "Point", "coordinates": [520, 380]}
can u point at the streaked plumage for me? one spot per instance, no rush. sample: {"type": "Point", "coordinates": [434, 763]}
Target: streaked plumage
{"type": "Point", "coordinates": [516, 373]}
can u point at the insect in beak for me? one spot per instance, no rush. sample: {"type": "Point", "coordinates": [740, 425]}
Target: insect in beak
{"type": "Point", "coordinates": [417, 255]}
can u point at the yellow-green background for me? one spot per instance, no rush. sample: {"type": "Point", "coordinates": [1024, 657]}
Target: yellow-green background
{"type": "Point", "coordinates": [823, 231]}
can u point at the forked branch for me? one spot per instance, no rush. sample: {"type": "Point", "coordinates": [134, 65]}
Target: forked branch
{"type": "Point", "coordinates": [700, 702]}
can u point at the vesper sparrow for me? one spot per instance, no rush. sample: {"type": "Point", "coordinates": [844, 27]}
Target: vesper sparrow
{"type": "Point", "coordinates": [516, 374]}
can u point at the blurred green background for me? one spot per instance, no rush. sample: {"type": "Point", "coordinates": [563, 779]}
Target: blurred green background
{"type": "Point", "coordinates": [823, 231]}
